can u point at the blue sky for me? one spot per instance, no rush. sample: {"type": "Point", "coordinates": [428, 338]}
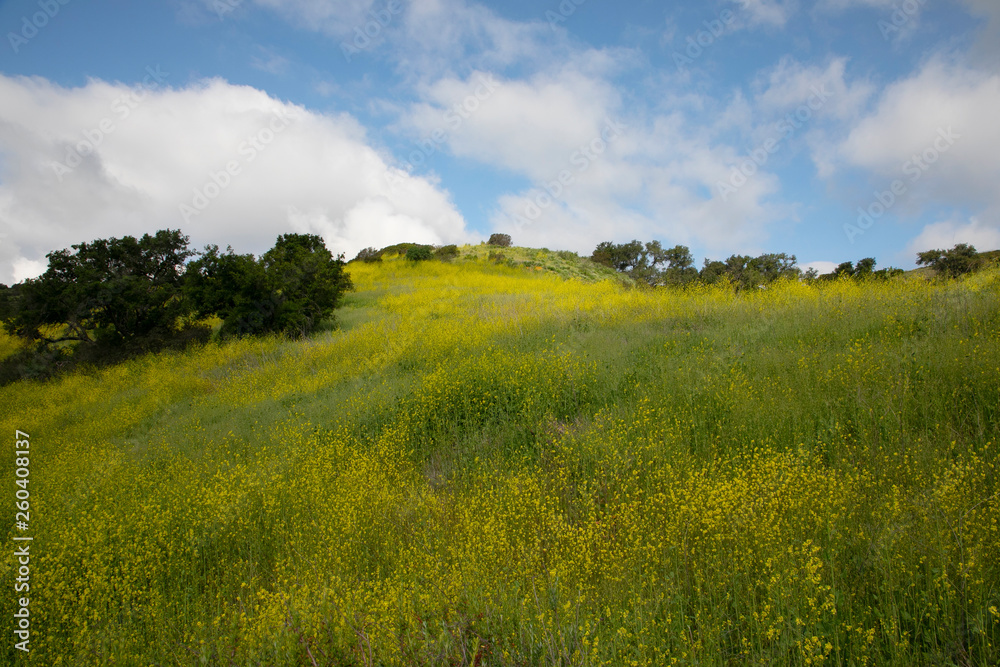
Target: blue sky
{"type": "Point", "coordinates": [830, 129]}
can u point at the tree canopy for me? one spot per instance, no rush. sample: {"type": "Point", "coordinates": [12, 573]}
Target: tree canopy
{"type": "Point", "coordinates": [290, 289]}
{"type": "Point", "coordinates": [128, 294]}
{"type": "Point", "coordinates": [961, 259]}
{"type": "Point", "coordinates": [115, 291]}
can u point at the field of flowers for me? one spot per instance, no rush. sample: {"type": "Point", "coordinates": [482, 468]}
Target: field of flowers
{"type": "Point", "coordinates": [486, 465]}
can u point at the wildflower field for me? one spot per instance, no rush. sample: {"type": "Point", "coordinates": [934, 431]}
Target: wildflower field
{"type": "Point", "coordinates": [489, 465]}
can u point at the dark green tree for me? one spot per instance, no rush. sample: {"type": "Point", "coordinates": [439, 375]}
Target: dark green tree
{"type": "Point", "coordinates": [306, 282]}
{"type": "Point", "coordinates": [772, 266]}
{"type": "Point", "coordinates": [420, 253]}
{"type": "Point", "coordinates": [290, 289]}
{"type": "Point", "coordinates": [738, 269]}
{"type": "Point", "coordinates": [234, 288]}
{"type": "Point", "coordinates": [675, 265]}
{"type": "Point", "coordinates": [8, 301]}
{"type": "Point", "coordinates": [114, 291]}
{"type": "Point", "coordinates": [961, 259]}
{"type": "Point", "coordinates": [865, 268]}
{"type": "Point", "coordinates": [844, 269]}
{"type": "Point", "coordinates": [502, 240]}
{"type": "Point", "coordinates": [622, 257]}
{"type": "Point", "coordinates": [712, 272]}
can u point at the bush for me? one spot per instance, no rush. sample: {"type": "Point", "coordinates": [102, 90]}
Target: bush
{"type": "Point", "coordinates": [446, 253]}
{"type": "Point", "coordinates": [368, 255]}
{"type": "Point", "coordinates": [119, 291]}
{"type": "Point", "coordinates": [291, 288]}
{"type": "Point", "coordinates": [400, 249]}
{"type": "Point", "coordinates": [419, 253]}
{"type": "Point", "coordinates": [502, 240]}
{"type": "Point", "coordinates": [961, 259]}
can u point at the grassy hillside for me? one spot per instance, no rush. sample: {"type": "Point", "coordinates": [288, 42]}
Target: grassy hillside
{"type": "Point", "coordinates": [563, 263]}
{"type": "Point", "coordinates": [486, 465]}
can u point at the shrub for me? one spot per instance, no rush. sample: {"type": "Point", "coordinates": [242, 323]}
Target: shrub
{"type": "Point", "coordinates": [419, 253]}
{"type": "Point", "coordinates": [446, 253]}
{"type": "Point", "coordinates": [118, 291]}
{"type": "Point", "coordinates": [368, 255]}
{"type": "Point", "coordinates": [501, 240]}
{"type": "Point", "coordinates": [961, 259]}
{"type": "Point", "coordinates": [399, 249]}
{"type": "Point", "coordinates": [291, 288]}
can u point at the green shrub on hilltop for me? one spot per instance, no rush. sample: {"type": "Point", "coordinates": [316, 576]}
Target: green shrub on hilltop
{"type": "Point", "coordinates": [446, 253]}
{"type": "Point", "coordinates": [368, 255]}
{"type": "Point", "coordinates": [420, 253]}
{"type": "Point", "coordinates": [958, 261]}
{"type": "Point", "coordinates": [500, 240]}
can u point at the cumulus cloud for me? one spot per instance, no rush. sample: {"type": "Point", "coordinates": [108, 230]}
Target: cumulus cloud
{"type": "Point", "coordinates": [821, 267]}
{"type": "Point", "coordinates": [904, 134]}
{"type": "Point", "coordinates": [790, 84]}
{"type": "Point", "coordinates": [598, 171]}
{"type": "Point", "coordinates": [524, 99]}
{"type": "Point", "coordinates": [527, 126]}
{"type": "Point", "coordinates": [946, 234]}
{"type": "Point", "coordinates": [226, 164]}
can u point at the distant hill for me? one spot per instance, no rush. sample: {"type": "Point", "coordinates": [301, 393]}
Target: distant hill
{"type": "Point", "coordinates": [563, 263]}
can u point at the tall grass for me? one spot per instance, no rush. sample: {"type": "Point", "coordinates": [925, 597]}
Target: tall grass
{"type": "Point", "coordinates": [487, 465]}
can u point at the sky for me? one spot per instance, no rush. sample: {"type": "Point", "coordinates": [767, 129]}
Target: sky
{"type": "Point", "coordinates": [829, 129]}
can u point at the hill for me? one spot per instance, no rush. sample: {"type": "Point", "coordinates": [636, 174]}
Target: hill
{"type": "Point", "coordinates": [562, 263]}
{"type": "Point", "coordinates": [485, 464]}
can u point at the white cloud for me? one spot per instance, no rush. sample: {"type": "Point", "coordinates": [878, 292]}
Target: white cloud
{"type": "Point", "coordinates": [526, 126]}
{"type": "Point", "coordinates": [907, 127]}
{"type": "Point", "coordinates": [151, 159]}
{"type": "Point", "coordinates": [428, 39]}
{"type": "Point", "coordinates": [946, 234]}
{"type": "Point", "coordinates": [659, 179]}
{"type": "Point", "coordinates": [26, 268]}
{"type": "Point", "coordinates": [820, 266]}
{"type": "Point", "coordinates": [791, 84]}
{"type": "Point", "coordinates": [627, 177]}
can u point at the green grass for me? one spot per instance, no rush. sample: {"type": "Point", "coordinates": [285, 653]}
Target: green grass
{"type": "Point", "coordinates": [483, 463]}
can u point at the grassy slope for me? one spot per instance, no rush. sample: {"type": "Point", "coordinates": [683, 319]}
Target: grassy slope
{"type": "Point", "coordinates": [562, 263]}
{"type": "Point", "coordinates": [489, 461]}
